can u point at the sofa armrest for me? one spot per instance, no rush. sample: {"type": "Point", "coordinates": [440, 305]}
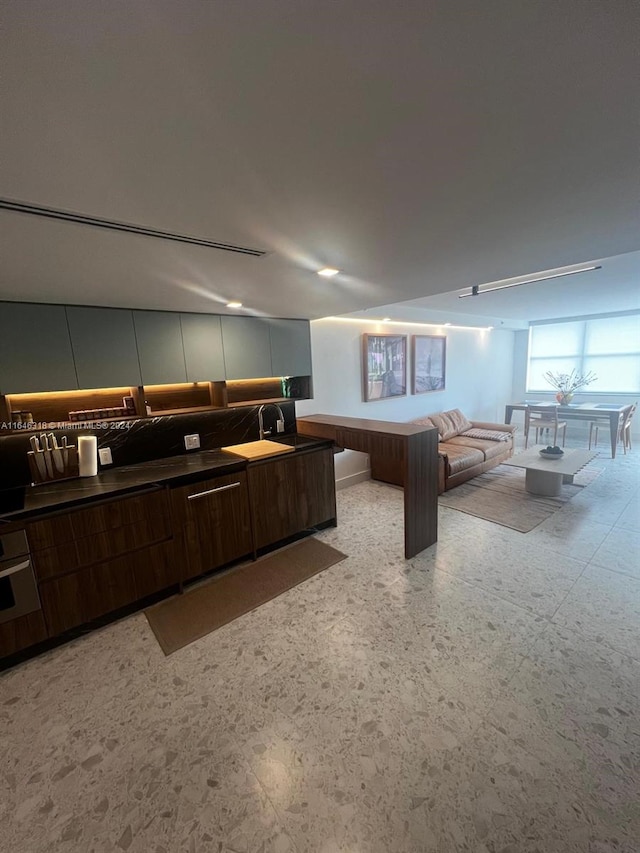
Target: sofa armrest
{"type": "Point", "coordinates": [511, 428]}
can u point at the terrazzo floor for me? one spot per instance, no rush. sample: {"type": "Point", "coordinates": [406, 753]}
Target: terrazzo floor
{"type": "Point", "coordinates": [484, 697]}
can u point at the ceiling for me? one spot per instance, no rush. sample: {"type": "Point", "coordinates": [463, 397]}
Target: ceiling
{"type": "Point", "coordinates": [612, 288]}
{"type": "Point", "coordinates": [418, 147]}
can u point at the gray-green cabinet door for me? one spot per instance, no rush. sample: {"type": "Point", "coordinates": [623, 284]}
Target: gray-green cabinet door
{"type": "Point", "coordinates": [35, 349]}
{"type": "Point", "coordinates": [290, 347]}
{"type": "Point", "coordinates": [247, 347]}
{"type": "Point", "coordinates": [104, 347]}
{"type": "Point", "coordinates": [160, 349]}
{"type": "Point", "coordinates": [202, 340]}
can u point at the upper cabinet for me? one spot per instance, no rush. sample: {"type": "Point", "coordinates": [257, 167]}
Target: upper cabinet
{"type": "Point", "coordinates": [202, 341]}
{"type": "Point", "coordinates": [58, 348]}
{"type": "Point", "coordinates": [160, 349]}
{"type": "Point", "coordinates": [255, 347]}
{"type": "Point", "coordinates": [247, 347]}
{"type": "Point", "coordinates": [104, 347]}
{"type": "Point", "coordinates": [35, 349]}
{"type": "Point", "coordinates": [290, 347]}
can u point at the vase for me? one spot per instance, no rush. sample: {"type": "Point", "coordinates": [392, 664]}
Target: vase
{"type": "Point", "coordinates": [564, 399]}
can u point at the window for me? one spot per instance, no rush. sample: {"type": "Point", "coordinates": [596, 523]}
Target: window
{"type": "Point", "coordinates": [609, 346]}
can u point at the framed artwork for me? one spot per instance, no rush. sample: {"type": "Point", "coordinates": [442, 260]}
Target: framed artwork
{"type": "Point", "coordinates": [429, 359]}
{"type": "Point", "coordinates": [384, 363]}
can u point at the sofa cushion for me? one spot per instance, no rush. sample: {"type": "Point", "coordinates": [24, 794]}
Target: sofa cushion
{"type": "Point", "coordinates": [444, 425]}
{"type": "Point", "coordinates": [490, 449]}
{"type": "Point", "coordinates": [459, 421]}
{"type": "Point", "coordinates": [424, 421]}
{"type": "Point", "coordinates": [459, 457]}
{"type": "Point", "coordinates": [487, 434]}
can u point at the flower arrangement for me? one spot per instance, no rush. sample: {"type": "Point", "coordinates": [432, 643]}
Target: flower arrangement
{"type": "Point", "coordinates": [568, 383]}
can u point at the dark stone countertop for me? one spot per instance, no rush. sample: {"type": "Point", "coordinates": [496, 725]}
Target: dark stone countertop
{"type": "Point", "coordinates": [31, 501]}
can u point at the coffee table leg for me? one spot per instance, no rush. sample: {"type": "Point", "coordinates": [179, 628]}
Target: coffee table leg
{"type": "Point", "coordinates": [546, 483]}
{"type": "Point", "coordinates": [567, 478]}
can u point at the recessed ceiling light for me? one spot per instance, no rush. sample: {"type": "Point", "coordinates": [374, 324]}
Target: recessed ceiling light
{"type": "Point", "coordinates": [386, 319]}
{"type": "Point", "coordinates": [234, 304]}
{"type": "Point", "coordinates": [328, 272]}
{"type": "Point", "coordinates": [447, 324]}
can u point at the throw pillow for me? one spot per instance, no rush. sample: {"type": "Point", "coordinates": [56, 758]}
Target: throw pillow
{"type": "Point", "coordinates": [423, 422]}
{"type": "Point", "coordinates": [487, 434]}
{"type": "Point", "coordinates": [459, 421]}
{"type": "Point", "coordinates": [445, 426]}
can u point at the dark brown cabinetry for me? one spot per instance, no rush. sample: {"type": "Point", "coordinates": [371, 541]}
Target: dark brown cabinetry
{"type": "Point", "coordinates": [93, 561]}
{"type": "Point", "coordinates": [84, 595]}
{"type": "Point", "coordinates": [70, 541]}
{"type": "Point", "coordinates": [212, 523]}
{"type": "Point", "coordinates": [291, 494]}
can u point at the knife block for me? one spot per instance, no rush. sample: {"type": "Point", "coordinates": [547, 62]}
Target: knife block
{"type": "Point", "coordinates": [69, 472]}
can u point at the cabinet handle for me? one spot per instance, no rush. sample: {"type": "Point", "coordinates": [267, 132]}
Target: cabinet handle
{"type": "Point", "coordinates": [212, 491]}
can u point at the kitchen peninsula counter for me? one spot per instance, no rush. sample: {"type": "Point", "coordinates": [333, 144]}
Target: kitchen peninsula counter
{"type": "Point", "coordinates": [410, 448]}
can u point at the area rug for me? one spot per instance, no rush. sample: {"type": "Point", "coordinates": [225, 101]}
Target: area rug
{"type": "Point", "coordinates": [182, 619]}
{"type": "Point", "coordinates": [499, 495]}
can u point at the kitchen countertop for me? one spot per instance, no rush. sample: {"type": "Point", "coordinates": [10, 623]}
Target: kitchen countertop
{"type": "Point", "coordinates": [111, 482]}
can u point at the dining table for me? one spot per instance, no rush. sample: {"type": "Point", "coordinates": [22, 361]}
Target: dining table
{"type": "Point", "coordinates": [613, 412]}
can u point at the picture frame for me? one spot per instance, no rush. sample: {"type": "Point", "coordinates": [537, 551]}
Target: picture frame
{"type": "Point", "coordinates": [384, 366]}
{"type": "Point", "coordinates": [429, 359]}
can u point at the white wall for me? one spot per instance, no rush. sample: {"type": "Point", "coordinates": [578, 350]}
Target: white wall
{"type": "Point", "coordinates": [479, 378]}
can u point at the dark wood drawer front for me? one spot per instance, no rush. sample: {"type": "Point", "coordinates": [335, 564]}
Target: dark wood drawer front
{"type": "Point", "coordinates": [89, 550]}
{"type": "Point", "coordinates": [78, 524]}
{"type": "Point", "coordinates": [21, 633]}
{"type": "Point", "coordinates": [82, 596]}
{"type": "Point", "coordinates": [315, 487]}
{"type": "Point", "coordinates": [212, 522]}
{"type": "Point", "coordinates": [292, 494]}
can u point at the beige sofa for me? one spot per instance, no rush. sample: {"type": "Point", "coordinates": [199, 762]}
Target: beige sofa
{"type": "Point", "coordinates": [467, 448]}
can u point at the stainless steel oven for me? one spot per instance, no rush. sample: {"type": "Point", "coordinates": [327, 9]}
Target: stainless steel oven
{"type": "Point", "coordinates": [18, 587]}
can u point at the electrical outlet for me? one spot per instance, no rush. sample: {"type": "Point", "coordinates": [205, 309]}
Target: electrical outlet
{"type": "Point", "coordinates": [279, 425]}
{"type": "Point", "coordinates": [192, 442]}
{"type": "Point", "coordinates": [105, 456]}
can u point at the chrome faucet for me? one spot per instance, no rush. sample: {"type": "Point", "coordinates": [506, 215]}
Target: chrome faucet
{"type": "Point", "coordinates": [261, 428]}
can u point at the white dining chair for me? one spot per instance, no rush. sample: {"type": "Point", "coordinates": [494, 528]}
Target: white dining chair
{"type": "Point", "coordinates": [543, 418]}
{"type": "Point", "coordinates": [624, 428]}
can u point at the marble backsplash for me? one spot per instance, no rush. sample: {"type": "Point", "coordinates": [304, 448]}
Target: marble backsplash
{"type": "Point", "coordinates": [144, 439]}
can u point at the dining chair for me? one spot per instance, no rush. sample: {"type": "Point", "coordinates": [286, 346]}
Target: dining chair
{"type": "Point", "coordinates": [541, 418]}
{"type": "Point", "coordinates": [627, 426]}
{"type": "Point", "coordinates": [624, 428]}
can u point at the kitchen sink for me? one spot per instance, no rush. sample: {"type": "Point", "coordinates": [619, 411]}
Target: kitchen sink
{"type": "Point", "coordinates": [293, 440]}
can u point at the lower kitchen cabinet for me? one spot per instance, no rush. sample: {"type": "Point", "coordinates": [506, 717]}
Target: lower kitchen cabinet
{"type": "Point", "coordinates": [212, 523]}
{"type": "Point", "coordinates": [290, 494]}
{"type": "Point", "coordinates": [97, 559]}
{"type": "Point", "coordinates": [91, 592]}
